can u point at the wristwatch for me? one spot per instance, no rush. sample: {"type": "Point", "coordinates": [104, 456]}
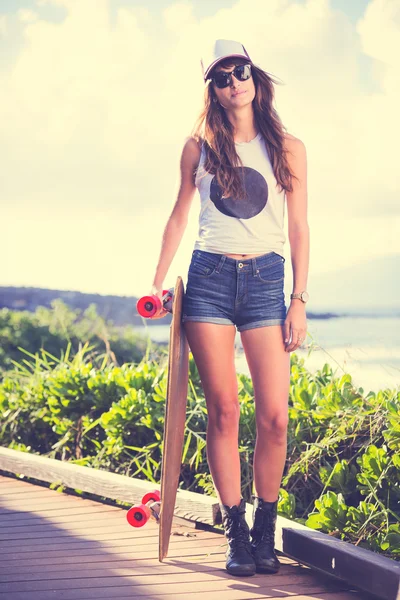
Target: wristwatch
{"type": "Point", "coordinates": [303, 296]}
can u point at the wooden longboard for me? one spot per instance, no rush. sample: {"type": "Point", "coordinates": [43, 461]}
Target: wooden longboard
{"type": "Point", "coordinates": [175, 417]}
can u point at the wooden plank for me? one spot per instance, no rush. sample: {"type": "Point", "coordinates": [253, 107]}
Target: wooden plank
{"type": "Point", "coordinates": [44, 511]}
{"type": "Point", "coordinates": [116, 524]}
{"type": "Point", "coordinates": [97, 519]}
{"type": "Point", "coordinates": [61, 541]}
{"type": "Point", "coordinates": [20, 484]}
{"type": "Point", "coordinates": [126, 557]}
{"type": "Point", "coordinates": [71, 515]}
{"type": "Point", "coordinates": [287, 573]}
{"type": "Point", "coordinates": [12, 491]}
{"type": "Point", "coordinates": [366, 570]}
{"type": "Point", "coordinates": [58, 501]}
{"type": "Point", "coordinates": [106, 543]}
{"type": "Point", "coordinates": [60, 536]}
{"type": "Point", "coordinates": [146, 566]}
{"type": "Point", "coordinates": [218, 588]}
{"type": "Point", "coordinates": [184, 583]}
{"type": "Point", "coordinates": [111, 570]}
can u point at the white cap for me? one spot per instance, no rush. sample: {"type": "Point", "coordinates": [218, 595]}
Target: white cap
{"type": "Point", "coordinates": [221, 49]}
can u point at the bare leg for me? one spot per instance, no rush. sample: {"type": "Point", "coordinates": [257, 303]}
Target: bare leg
{"type": "Point", "coordinates": [213, 348]}
{"type": "Point", "coordinates": [269, 366]}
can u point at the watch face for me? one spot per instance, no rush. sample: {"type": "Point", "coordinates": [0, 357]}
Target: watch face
{"type": "Point", "coordinates": [305, 296]}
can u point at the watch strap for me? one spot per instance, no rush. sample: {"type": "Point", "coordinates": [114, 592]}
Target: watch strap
{"type": "Point", "coordinates": [299, 296]}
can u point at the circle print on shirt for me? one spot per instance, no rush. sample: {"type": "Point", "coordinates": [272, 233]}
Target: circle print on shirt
{"type": "Point", "coordinates": [257, 193]}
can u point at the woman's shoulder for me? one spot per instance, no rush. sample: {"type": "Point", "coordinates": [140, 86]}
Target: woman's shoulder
{"type": "Point", "coordinates": [192, 150]}
{"type": "Point", "coordinates": [291, 142]}
{"type": "Point", "coordinates": [193, 145]}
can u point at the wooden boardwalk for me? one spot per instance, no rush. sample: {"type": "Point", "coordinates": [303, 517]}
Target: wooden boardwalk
{"type": "Point", "coordinates": [59, 546]}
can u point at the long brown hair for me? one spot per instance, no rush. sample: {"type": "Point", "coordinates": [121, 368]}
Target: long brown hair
{"type": "Point", "coordinates": [214, 129]}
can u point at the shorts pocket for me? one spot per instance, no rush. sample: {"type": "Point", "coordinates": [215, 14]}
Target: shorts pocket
{"type": "Point", "coordinates": [272, 273]}
{"type": "Point", "coordinates": [202, 268]}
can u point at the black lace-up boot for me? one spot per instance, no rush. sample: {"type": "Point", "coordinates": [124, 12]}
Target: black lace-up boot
{"type": "Point", "coordinates": [239, 560]}
{"type": "Point", "coordinates": [263, 535]}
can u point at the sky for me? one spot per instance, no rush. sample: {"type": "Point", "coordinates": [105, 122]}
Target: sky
{"type": "Point", "coordinates": [98, 97]}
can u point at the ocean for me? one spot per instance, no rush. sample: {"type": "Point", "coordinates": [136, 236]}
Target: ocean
{"type": "Point", "coordinates": [366, 347]}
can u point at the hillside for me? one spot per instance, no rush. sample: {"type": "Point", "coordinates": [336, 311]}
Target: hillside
{"type": "Point", "coordinates": [121, 310]}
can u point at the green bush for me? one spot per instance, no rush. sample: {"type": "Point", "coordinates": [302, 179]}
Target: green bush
{"type": "Point", "coordinates": [343, 459]}
{"type": "Point", "coordinates": [53, 329]}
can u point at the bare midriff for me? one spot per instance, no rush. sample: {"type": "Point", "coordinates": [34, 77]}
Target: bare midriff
{"type": "Point", "coordinates": [244, 256]}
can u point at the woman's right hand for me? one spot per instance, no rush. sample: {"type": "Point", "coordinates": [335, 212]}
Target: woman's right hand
{"type": "Point", "coordinates": [157, 290]}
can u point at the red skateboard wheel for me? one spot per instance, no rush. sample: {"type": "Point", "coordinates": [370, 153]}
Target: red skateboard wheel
{"type": "Point", "coordinates": [148, 306]}
{"type": "Point", "coordinates": [138, 515]}
{"type": "Point", "coordinates": [154, 496]}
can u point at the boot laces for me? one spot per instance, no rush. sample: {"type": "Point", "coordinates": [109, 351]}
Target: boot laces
{"type": "Point", "coordinates": [237, 530]}
{"type": "Point", "coordinates": [266, 530]}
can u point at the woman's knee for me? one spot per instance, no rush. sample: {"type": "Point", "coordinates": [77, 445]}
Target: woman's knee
{"type": "Point", "coordinates": [274, 426]}
{"type": "Point", "coordinates": [223, 413]}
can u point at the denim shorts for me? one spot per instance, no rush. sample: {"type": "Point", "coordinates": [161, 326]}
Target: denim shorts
{"type": "Point", "coordinates": [246, 293]}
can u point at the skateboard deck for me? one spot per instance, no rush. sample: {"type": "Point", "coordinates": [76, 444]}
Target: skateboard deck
{"type": "Point", "coordinates": [175, 417]}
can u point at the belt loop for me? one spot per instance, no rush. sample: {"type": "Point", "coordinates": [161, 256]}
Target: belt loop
{"type": "Point", "coordinates": [254, 265]}
{"type": "Point", "coordinates": [221, 263]}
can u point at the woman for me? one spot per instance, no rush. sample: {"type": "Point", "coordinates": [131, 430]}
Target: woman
{"type": "Point", "coordinates": [244, 165]}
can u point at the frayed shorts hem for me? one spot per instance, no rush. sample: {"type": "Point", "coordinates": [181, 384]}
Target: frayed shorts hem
{"type": "Point", "coordinates": [221, 321]}
{"type": "Point", "coordinates": [216, 320]}
{"type": "Point", "coordinates": [265, 323]}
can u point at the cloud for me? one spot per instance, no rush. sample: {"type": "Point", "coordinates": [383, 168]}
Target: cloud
{"type": "Point", "coordinates": [26, 15]}
{"type": "Point", "coordinates": [96, 109]}
{"type": "Point", "coordinates": [3, 25]}
{"type": "Point", "coordinates": [379, 30]}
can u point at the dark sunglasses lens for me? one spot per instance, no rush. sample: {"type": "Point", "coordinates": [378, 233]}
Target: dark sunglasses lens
{"type": "Point", "coordinates": [222, 80]}
{"type": "Point", "coordinates": [242, 72]}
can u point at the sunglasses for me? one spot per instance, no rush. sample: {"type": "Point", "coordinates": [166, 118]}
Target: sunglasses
{"type": "Point", "coordinates": [223, 79]}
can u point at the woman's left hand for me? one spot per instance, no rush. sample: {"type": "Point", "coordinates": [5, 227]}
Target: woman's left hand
{"type": "Point", "coordinates": [295, 325]}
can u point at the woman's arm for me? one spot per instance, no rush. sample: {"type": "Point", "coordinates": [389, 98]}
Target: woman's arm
{"type": "Point", "coordinates": [178, 219]}
{"type": "Point", "coordinates": [298, 228]}
{"type": "Point", "coordinates": [299, 238]}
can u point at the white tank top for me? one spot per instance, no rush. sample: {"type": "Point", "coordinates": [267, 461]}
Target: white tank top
{"type": "Point", "coordinates": [255, 225]}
